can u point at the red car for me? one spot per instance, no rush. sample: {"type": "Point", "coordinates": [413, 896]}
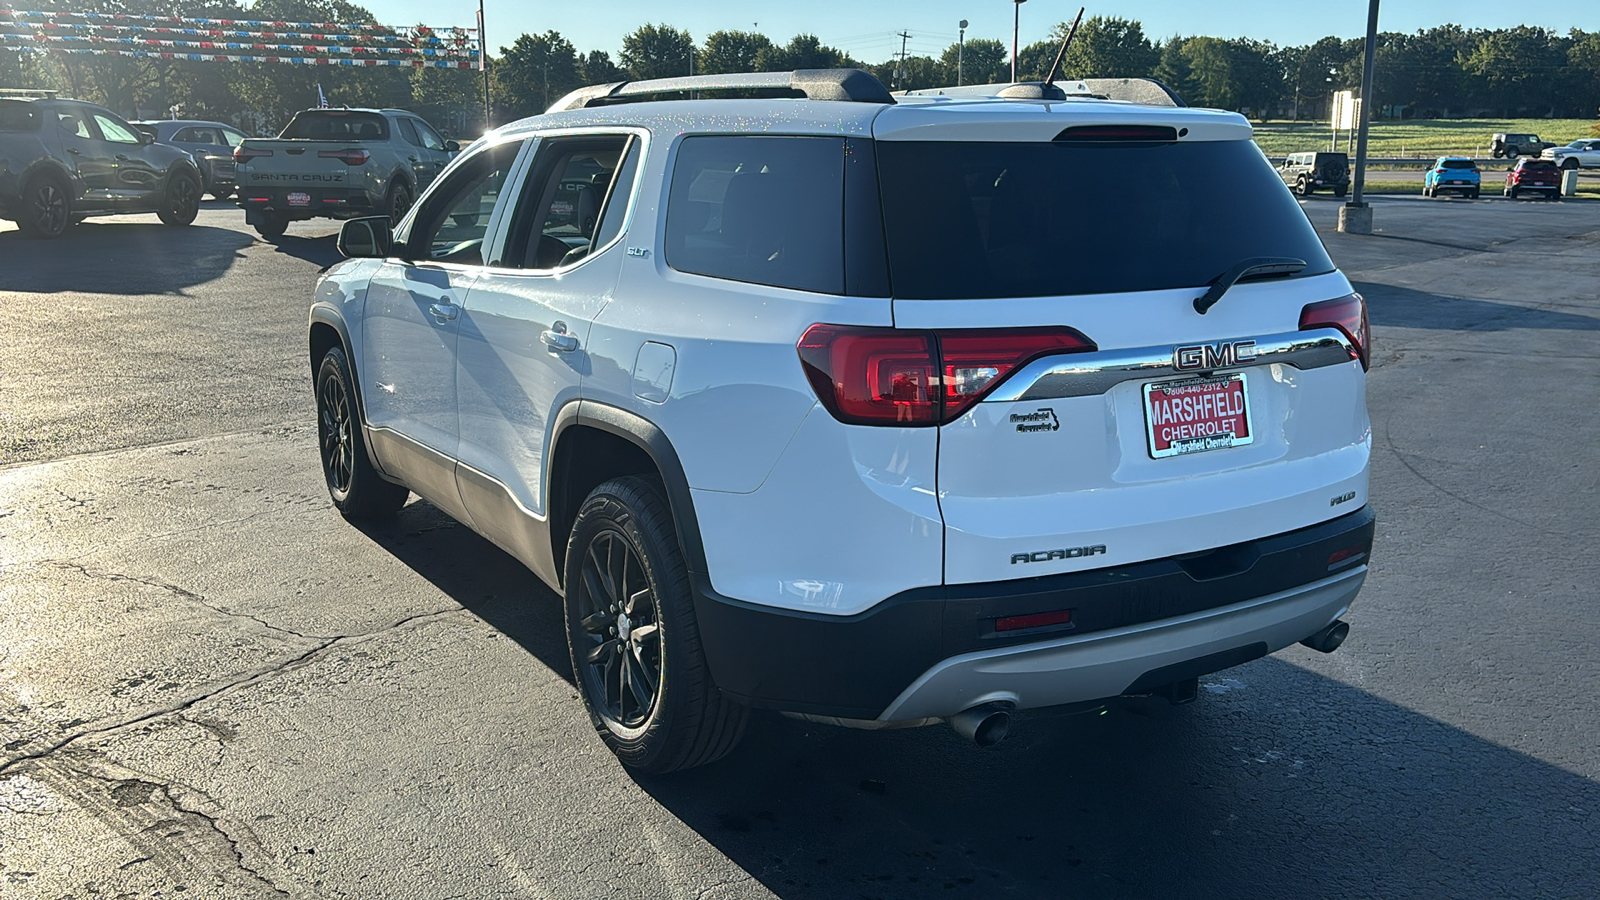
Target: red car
{"type": "Point", "coordinates": [1534, 176]}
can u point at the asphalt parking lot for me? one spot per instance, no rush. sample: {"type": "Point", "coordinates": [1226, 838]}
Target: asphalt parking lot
{"type": "Point", "coordinates": [212, 686]}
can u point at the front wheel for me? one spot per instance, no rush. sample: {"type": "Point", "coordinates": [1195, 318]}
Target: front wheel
{"type": "Point", "coordinates": [181, 202]}
{"type": "Point", "coordinates": [1512, 193]}
{"type": "Point", "coordinates": [1569, 163]}
{"type": "Point", "coordinates": [633, 637]}
{"type": "Point", "coordinates": [1305, 188]}
{"type": "Point", "coordinates": [355, 487]}
{"type": "Point", "coordinates": [46, 208]}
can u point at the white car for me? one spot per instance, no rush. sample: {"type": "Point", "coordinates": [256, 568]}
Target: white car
{"type": "Point", "coordinates": [873, 410]}
{"type": "Point", "coordinates": [1583, 154]}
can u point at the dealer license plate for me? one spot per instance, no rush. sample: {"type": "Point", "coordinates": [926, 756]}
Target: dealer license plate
{"type": "Point", "coordinates": [1196, 415]}
{"type": "Point", "coordinates": [299, 198]}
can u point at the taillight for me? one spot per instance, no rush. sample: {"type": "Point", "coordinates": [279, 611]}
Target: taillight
{"type": "Point", "coordinates": [240, 154]}
{"type": "Point", "coordinates": [1349, 315]}
{"type": "Point", "coordinates": [348, 157]}
{"type": "Point", "coordinates": [892, 376]}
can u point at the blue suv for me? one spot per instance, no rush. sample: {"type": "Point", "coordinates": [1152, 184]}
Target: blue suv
{"type": "Point", "coordinates": [1452, 173]}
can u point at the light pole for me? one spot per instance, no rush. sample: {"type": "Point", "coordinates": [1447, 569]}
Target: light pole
{"type": "Point", "coordinates": [961, 47]}
{"type": "Point", "coordinates": [483, 63]}
{"type": "Point", "coordinates": [1355, 217]}
{"type": "Point", "coordinates": [1016, 20]}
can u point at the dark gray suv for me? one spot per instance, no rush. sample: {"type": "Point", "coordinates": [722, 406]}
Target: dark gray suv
{"type": "Point", "coordinates": [1307, 172]}
{"type": "Point", "coordinates": [210, 143]}
{"type": "Point", "coordinates": [62, 161]}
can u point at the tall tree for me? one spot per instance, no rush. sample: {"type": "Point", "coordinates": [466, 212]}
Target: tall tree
{"type": "Point", "coordinates": [535, 71]}
{"type": "Point", "coordinates": [1106, 47]}
{"type": "Point", "coordinates": [731, 51]}
{"type": "Point", "coordinates": [596, 67]}
{"type": "Point", "coordinates": [804, 51]}
{"type": "Point", "coordinates": [657, 51]}
{"type": "Point", "coordinates": [1172, 68]}
{"type": "Point", "coordinates": [983, 61]}
{"type": "Point", "coordinates": [1518, 66]}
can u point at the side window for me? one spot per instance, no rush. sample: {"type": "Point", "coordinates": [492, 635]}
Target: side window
{"type": "Point", "coordinates": [563, 201]}
{"type": "Point", "coordinates": [759, 209]}
{"type": "Point", "coordinates": [184, 136]}
{"type": "Point", "coordinates": [73, 124]}
{"type": "Point", "coordinates": [430, 138]}
{"type": "Point", "coordinates": [409, 132]}
{"type": "Point", "coordinates": [115, 132]}
{"type": "Point", "coordinates": [232, 138]}
{"type": "Point", "coordinates": [454, 219]}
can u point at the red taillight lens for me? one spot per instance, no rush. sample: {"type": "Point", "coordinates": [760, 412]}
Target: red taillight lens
{"type": "Point", "coordinates": [1036, 620]}
{"type": "Point", "coordinates": [348, 157]}
{"type": "Point", "coordinates": [1349, 315]}
{"type": "Point", "coordinates": [891, 376]}
{"type": "Point", "coordinates": [240, 154]}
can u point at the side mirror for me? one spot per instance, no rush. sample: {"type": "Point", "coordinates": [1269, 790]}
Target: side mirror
{"type": "Point", "coordinates": [146, 138]}
{"type": "Point", "coordinates": [366, 238]}
{"type": "Point", "coordinates": [452, 147]}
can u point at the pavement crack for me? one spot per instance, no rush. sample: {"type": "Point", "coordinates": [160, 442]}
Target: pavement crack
{"type": "Point", "coordinates": [188, 595]}
{"type": "Point", "coordinates": [243, 681]}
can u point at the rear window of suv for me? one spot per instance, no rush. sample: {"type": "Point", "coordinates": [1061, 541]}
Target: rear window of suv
{"type": "Point", "coordinates": [1458, 164]}
{"type": "Point", "coordinates": [987, 220]}
{"type": "Point", "coordinates": [16, 116]}
{"type": "Point", "coordinates": [336, 125]}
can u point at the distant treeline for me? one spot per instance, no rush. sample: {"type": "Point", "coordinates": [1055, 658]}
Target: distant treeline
{"type": "Point", "coordinates": [1446, 71]}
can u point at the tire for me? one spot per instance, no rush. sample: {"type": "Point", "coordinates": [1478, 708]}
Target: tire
{"type": "Point", "coordinates": [1305, 188]}
{"type": "Point", "coordinates": [1342, 190]}
{"type": "Point", "coordinates": [272, 224]}
{"type": "Point", "coordinates": [1512, 193]}
{"type": "Point", "coordinates": [356, 488]}
{"type": "Point", "coordinates": [1427, 191]}
{"type": "Point", "coordinates": [1570, 162]}
{"type": "Point", "coordinates": [1473, 194]}
{"type": "Point", "coordinates": [46, 207]}
{"type": "Point", "coordinates": [1511, 153]}
{"type": "Point", "coordinates": [398, 202]}
{"type": "Point", "coordinates": [623, 557]}
{"type": "Point", "coordinates": [180, 203]}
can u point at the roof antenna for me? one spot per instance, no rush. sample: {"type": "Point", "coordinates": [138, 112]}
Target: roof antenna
{"type": "Point", "coordinates": [1055, 68]}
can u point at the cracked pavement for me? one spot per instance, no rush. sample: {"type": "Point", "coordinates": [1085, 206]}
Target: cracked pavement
{"type": "Point", "coordinates": [213, 686]}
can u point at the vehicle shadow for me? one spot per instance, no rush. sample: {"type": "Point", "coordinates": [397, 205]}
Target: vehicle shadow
{"type": "Point", "coordinates": [319, 251]}
{"type": "Point", "coordinates": [1389, 305]}
{"type": "Point", "coordinates": [1280, 782]}
{"type": "Point", "coordinates": [118, 257]}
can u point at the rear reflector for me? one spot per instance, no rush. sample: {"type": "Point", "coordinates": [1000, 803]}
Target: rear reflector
{"type": "Point", "coordinates": [1349, 315]}
{"type": "Point", "coordinates": [1347, 556]}
{"type": "Point", "coordinates": [900, 377]}
{"type": "Point", "coordinates": [1036, 620]}
{"type": "Point", "coordinates": [1118, 133]}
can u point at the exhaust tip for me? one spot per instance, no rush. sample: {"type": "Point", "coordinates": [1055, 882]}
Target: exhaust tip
{"type": "Point", "coordinates": [984, 725]}
{"type": "Point", "coordinates": [1328, 639]}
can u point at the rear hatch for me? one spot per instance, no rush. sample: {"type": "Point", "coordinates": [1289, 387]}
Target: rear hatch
{"type": "Point", "coordinates": [1538, 174]}
{"type": "Point", "coordinates": [1332, 167]}
{"type": "Point", "coordinates": [317, 160]}
{"type": "Point", "coordinates": [1091, 416]}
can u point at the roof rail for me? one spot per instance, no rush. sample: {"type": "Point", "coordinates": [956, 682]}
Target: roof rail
{"type": "Point", "coordinates": [1146, 91]}
{"type": "Point", "coordinates": [31, 93]}
{"type": "Point", "coordinates": [849, 85]}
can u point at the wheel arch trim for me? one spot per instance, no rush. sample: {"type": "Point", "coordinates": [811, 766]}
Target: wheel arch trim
{"type": "Point", "coordinates": [328, 318]}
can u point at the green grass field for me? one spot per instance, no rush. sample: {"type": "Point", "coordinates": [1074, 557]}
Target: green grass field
{"type": "Point", "coordinates": [1424, 137]}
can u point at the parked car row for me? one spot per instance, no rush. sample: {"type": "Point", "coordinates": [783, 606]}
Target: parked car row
{"type": "Point", "coordinates": [1309, 172]}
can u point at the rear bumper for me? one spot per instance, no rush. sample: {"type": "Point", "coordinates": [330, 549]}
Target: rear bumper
{"type": "Point", "coordinates": [336, 202]}
{"type": "Point", "coordinates": [935, 651]}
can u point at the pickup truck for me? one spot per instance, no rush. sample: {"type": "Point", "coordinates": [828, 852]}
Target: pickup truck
{"type": "Point", "coordinates": [338, 163]}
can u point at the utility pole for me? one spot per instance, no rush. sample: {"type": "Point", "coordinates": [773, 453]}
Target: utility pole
{"type": "Point", "coordinates": [899, 66]}
{"type": "Point", "coordinates": [1016, 22]}
{"type": "Point", "coordinates": [961, 47]}
{"type": "Point", "coordinates": [1355, 217]}
{"type": "Point", "coordinates": [483, 64]}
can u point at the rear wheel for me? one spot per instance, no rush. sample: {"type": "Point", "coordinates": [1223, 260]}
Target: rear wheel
{"type": "Point", "coordinates": [181, 202]}
{"type": "Point", "coordinates": [271, 224]}
{"type": "Point", "coordinates": [1304, 188]}
{"type": "Point", "coordinates": [46, 208]}
{"type": "Point", "coordinates": [1512, 193]}
{"type": "Point", "coordinates": [633, 637]}
{"type": "Point", "coordinates": [1473, 194]}
{"type": "Point", "coordinates": [399, 202]}
{"type": "Point", "coordinates": [355, 487]}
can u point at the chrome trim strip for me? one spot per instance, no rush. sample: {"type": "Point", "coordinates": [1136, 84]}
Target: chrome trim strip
{"type": "Point", "coordinates": [1089, 374]}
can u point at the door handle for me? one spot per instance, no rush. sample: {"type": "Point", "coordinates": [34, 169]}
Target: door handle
{"type": "Point", "coordinates": [558, 339]}
{"type": "Point", "coordinates": [412, 158]}
{"type": "Point", "coordinates": [74, 151]}
{"type": "Point", "coordinates": [122, 157]}
{"type": "Point", "coordinates": [444, 311]}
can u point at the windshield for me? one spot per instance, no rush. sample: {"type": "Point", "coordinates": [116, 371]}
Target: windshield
{"type": "Point", "coordinates": [990, 219]}
{"type": "Point", "coordinates": [336, 125]}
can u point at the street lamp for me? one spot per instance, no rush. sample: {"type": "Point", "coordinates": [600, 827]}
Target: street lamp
{"type": "Point", "coordinates": [961, 46]}
{"type": "Point", "coordinates": [1355, 217]}
{"type": "Point", "coordinates": [1016, 20]}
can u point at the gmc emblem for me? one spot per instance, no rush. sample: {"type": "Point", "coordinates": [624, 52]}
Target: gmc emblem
{"type": "Point", "coordinates": [1213, 356]}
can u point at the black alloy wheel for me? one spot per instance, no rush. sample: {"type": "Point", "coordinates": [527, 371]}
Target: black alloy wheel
{"type": "Point", "coordinates": [622, 648]}
{"type": "Point", "coordinates": [181, 203]}
{"type": "Point", "coordinates": [399, 204]}
{"type": "Point", "coordinates": [46, 209]}
{"type": "Point", "coordinates": [335, 427]}
{"type": "Point", "coordinates": [355, 487]}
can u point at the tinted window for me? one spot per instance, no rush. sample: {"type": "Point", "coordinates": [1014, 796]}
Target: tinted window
{"type": "Point", "coordinates": [430, 138]}
{"type": "Point", "coordinates": [232, 138]}
{"type": "Point", "coordinates": [73, 124]}
{"type": "Point", "coordinates": [767, 210]}
{"type": "Point", "coordinates": [409, 132]}
{"type": "Point", "coordinates": [990, 219]}
{"type": "Point", "coordinates": [337, 125]}
{"type": "Point", "coordinates": [15, 116]}
{"type": "Point", "coordinates": [1458, 164]}
{"type": "Point", "coordinates": [1538, 164]}
{"type": "Point", "coordinates": [562, 201]}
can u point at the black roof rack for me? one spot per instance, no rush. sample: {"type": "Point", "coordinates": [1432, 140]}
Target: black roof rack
{"type": "Point", "coordinates": [849, 85]}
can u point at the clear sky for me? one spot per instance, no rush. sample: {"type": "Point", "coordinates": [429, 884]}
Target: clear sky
{"type": "Point", "coordinates": [867, 30]}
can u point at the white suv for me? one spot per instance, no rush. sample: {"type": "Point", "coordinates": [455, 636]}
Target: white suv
{"type": "Point", "coordinates": [873, 410]}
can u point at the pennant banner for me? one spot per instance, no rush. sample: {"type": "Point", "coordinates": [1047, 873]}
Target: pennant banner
{"type": "Point", "coordinates": [17, 15]}
{"type": "Point", "coordinates": [206, 57]}
{"type": "Point", "coordinates": [125, 43]}
{"type": "Point", "coordinates": [443, 37]}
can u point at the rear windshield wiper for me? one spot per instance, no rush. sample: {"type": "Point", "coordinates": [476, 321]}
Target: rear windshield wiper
{"type": "Point", "coordinates": [1254, 267]}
